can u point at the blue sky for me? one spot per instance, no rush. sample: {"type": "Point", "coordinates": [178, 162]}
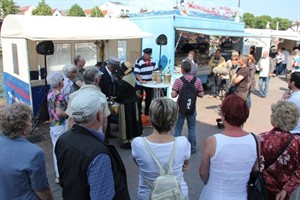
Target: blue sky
{"type": "Point", "coordinates": [275, 8]}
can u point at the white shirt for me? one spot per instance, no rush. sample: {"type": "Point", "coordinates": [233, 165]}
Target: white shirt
{"type": "Point", "coordinates": [295, 98]}
{"type": "Point", "coordinates": [265, 64]}
{"type": "Point", "coordinates": [230, 168]}
{"type": "Point", "coordinates": [286, 56]}
{"type": "Point", "coordinates": [149, 170]}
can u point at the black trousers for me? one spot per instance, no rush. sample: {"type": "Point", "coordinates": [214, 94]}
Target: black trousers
{"type": "Point", "coordinates": [148, 99]}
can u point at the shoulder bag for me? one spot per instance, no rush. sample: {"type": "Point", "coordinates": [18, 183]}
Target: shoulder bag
{"type": "Point", "coordinates": [256, 184]}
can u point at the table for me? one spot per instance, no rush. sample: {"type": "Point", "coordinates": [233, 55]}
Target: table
{"type": "Point", "coordinates": [157, 88]}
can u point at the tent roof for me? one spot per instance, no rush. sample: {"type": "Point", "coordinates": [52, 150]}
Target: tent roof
{"type": "Point", "coordinates": [216, 32]}
{"type": "Point", "coordinates": [69, 28]}
{"type": "Point", "coordinates": [289, 35]}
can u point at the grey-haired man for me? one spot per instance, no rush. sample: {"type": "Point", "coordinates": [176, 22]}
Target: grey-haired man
{"type": "Point", "coordinates": [88, 168]}
{"type": "Point", "coordinates": [92, 77]}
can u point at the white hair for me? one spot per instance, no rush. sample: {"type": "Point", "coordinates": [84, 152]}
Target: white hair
{"type": "Point", "coordinates": [53, 78]}
{"type": "Point", "coordinates": [68, 69]}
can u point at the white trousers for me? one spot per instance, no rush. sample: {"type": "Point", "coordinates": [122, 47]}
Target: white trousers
{"type": "Point", "coordinates": [55, 133]}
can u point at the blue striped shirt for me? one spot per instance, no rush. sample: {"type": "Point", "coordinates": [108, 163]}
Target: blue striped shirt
{"type": "Point", "coordinates": [100, 176]}
{"type": "Point", "coordinates": [144, 68]}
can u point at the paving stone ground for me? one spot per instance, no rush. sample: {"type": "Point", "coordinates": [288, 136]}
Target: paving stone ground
{"type": "Point", "coordinates": [259, 121]}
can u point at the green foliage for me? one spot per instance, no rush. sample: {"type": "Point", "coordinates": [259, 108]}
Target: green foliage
{"type": "Point", "coordinates": [76, 11]}
{"type": "Point", "coordinates": [96, 12]}
{"type": "Point", "coordinates": [249, 20]}
{"type": "Point", "coordinates": [9, 7]}
{"type": "Point", "coordinates": [42, 9]}
{"type": "Point", "coordinates": [261, 21]}
{"type": "Point", "coordinates": [283, 23]}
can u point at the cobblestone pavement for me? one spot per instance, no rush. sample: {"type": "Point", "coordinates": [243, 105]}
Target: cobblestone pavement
{"type": "Point", "coordinates": [259, 121]}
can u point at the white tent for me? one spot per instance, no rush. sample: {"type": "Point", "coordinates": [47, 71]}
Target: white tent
{"type": "Point", "coordinates": [96, 39]}
{"type": "Point", "coordinates": [69, 28]}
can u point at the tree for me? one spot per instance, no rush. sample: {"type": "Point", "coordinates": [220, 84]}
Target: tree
{"type": "Point", "coordinates": [96, 12]}
{"type": "Point", "coordinates": [42, 9]}
{"type": "Point", "coordinates": [249, 20]}
{"type": "Point", "coordinates": [76, 11]}
{"type": "Point", "coordinates": [262, 21]}
{"type": "Point", "coordinates": [283, 23]}
{"type": "Point", "coordinates": [9, 7]}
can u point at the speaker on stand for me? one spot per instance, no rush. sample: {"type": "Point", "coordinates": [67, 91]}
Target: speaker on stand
{"type": "Point", "coordinates": [43, 48]}
{"type": "Point", "coordinates": [161, 40]}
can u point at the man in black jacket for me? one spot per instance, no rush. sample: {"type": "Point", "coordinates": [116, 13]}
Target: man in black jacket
{"type": "Point", "coordinates": [107, 85]}
{"type": "Point", "coordinates": [88, 168]}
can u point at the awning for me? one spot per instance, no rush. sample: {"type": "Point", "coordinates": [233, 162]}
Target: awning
{"type": "Point", "coordinates": [39, 28]}
{"type": "Point", "coordinates": [288, 37]}
{"type": "Point", "coordinates": [217, 32]}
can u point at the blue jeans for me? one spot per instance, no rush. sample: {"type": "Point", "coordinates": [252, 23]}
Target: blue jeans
{"type": "Point", "coordinates": [248, 101]}
{"type": "Point", "coordinates": [279, 68]}
{"type": "Point", "coordinates": [263, 90]}
{"type": "Point", "coordinates": [191, 122]}
{"type": "Point", "coordinates": [215, 85]}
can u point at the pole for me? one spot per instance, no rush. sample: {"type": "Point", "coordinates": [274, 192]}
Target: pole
{"type": "Point", "coordinates": [159, 65]}
{"type": "Point", "coordinates": [45, 75]}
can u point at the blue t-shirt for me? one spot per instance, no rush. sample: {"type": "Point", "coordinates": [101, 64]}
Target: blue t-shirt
{"type": "Point", "coordinates": [22, 169]}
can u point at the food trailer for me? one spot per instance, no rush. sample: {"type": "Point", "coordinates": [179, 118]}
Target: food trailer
{"type": "Point", "coordinates": [94, 38]}
{"type": "Point", "coordinates": [204, 32]}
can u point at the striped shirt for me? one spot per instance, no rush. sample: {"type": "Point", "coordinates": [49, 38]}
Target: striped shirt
{"type": "Point", "coordinates": [178, 84]}
{"type": "Point", "coordinates": [145, 68]}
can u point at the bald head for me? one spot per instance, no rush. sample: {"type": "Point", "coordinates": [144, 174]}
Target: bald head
{"type": "Point", "coordinates": [265, 54]}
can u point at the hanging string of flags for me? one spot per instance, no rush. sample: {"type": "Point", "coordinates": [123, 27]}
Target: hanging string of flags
{"type": "Point", "coordinates": [212, 40]}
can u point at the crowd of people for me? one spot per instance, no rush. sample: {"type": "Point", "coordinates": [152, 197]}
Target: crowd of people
{"type": "Point", "coordinates": [87, 166]}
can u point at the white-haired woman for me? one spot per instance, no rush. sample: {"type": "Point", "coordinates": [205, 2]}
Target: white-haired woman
{"type": "Point", "coordinates": [22, 164]}
{"type": "Point", "coordinates": [57, 105]}
{"type": "Point", "coordinates": [282, 175]}
{"type": "Point", "coordinates": [163, 116]}
{"type": "Point", "coordinates": [70, 73]}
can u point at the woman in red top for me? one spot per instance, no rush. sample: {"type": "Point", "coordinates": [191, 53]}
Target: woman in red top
{"type": "Point", "coordinates": [283, 175]}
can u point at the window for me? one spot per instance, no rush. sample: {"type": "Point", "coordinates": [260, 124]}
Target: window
{"type": "Point", "coordinates": [61, 57]}
{"type": "Point", "coordinates": [15, 58]}
{"type": "Point", "coordinates": [88, 52]}
{"type": "Point", "coordinates": [122, 49]}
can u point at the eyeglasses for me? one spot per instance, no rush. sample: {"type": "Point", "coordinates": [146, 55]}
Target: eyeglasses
{"type": "Point", "coordinates": [74, 72]}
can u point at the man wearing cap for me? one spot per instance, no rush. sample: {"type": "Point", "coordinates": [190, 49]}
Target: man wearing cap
{"type": "Point", "coordinates": [91, 79]}
{"type": "Point", "coordinates": [144, 66]}
{"type": "Point", "coordinates": [79, 62]}
{"type": "Point", "coordinates": [107, 85]}
{"type": "Point", "coordinates": [87, 167]}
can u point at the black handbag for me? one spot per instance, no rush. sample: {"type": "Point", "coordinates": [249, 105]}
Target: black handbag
{"type": "Point", "coordinates": [256, 185]}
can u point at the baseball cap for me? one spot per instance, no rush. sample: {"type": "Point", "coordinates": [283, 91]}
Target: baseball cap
{"type": "Point", "coordinates": [86, 103]}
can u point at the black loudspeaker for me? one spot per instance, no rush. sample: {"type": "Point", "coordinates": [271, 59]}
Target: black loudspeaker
{"type": "Point", "coordinates": [45, 48]}
{"type": "Point", "coordinates": [162, 39]}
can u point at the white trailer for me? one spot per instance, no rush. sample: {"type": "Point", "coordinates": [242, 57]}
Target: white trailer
{"type": "Point", "coordinates": [94, 38]}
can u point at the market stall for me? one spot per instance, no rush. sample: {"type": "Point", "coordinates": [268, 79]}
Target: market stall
{"type": "Point", "coordinates": [94, 38]}
{"type": "Point", "coordinates": [199, 31]}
